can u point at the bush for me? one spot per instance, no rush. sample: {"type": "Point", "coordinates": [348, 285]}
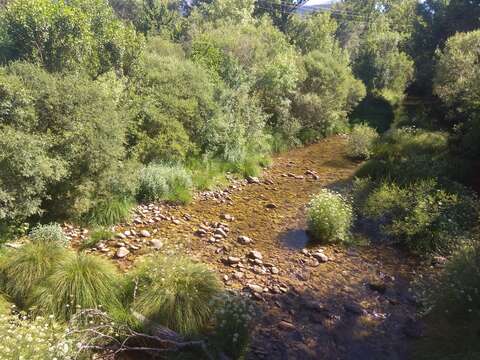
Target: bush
{"type": "Point", "coordinates": [407, 155]}
{"type": "Point", "coordinates": [5, 306]}
{"type": "Point", "coordinates": [329, 217]}
{"type": "Point", "coordinates": [175, 292]}
{"type": "Point", "coordinates": [456, 293]}
{"type": "Point", "coordinates": [96, 236]}
{"type": "Point", "coordinates": [165, 182]}
{"type": "Point", "coordinates": [33, 339]}
{"type": "Point", "coordinates": [26, 267]}
{"type": "Point", "coordinates": [233, 326]}
{"type": "Point", "coordinates": [361, 142]}
{"type": "Point", "coordinates": [51, 233]}
{"type": "Point", "coordinates": [423, 216]}
{"type": "Point", "coordinates": [110, 212]}
{"type": "Point", "coordinates": [77, 281]}
{"type": "Point", "coordinates": [65, 36]}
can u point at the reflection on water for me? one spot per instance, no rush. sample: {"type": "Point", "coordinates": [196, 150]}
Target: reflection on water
{"type": "Point", "coordinates": [295, 239]}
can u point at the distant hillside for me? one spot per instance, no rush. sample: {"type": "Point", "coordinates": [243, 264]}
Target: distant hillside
{"type": "Point", "coordinates": [306, 9]}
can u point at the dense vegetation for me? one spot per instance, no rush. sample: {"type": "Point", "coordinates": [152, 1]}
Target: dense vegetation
{"type": "Point", "coordinates": [105, 104]}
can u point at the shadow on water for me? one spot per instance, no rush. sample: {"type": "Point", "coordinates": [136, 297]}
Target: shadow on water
{"type": "Point", "coordinates": [296, 239]}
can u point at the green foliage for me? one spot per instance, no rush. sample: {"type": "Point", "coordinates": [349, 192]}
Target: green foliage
{"type": "Point", "coordinates": [51, 233]}
{"type": "Point", "coordinates": [233, 318]}
{"type": "Point", "coordinates": [361, 141]}
{"type": "Point", "coordinates": [313, 32]}
{"type": "Point", "coordinates": [5, 306]}
{"type": "Point", "coordinates": [165, 182]}
{"type": "Point", "coordinates": [175, 292]}
{"type": "Point", "coordinates": [72, 142]}
{"type": "Point", "coordinates": [329, 217]}
{"type": "Point", "coordinates": [423, 216]}
{"type": "Point", "coordinates": [24, 268]}
{"type": "Point", "coordinates": [456, 291]}
{"type": "Point", "coordinates": [383, 67]}
{"type": "Point", "coordinates": [328, 93]}
{"type": "Point", "coordinates": [457, 78]}
{"type": "Point", "coordinates": [77, 281]}
{"type": "Point", "coordinates": [34, 339]}
{"type": "Point", "coordinates": [406, 155]}
{"type": "Point", "coordinates": [110, 212]}
{"type": "Point", "coordinates": [97, 235]}
{"type": "Point", "coordinates": [222, 11]}
{"type": "Point", "coordinates": [64, 35]}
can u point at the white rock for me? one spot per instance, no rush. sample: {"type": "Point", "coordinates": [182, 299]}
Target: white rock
{"type": "Point", "coordinates": [122, 252]}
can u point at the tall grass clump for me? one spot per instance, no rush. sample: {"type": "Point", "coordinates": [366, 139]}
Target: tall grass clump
{"type": "Point", "coordinates": [165, 182]}
{"type": "Point", "coordinates": [5, 305]}
{"type": "Point", "coordinates": [110, 212]}
{"type": "Point", "coordinates": [329, 217]}
{"type": "Point", "coordinates": [175, 292]}
{"type": "Point", "coordinates": [97, 235]}
{"type": "Point", "coordinates": [51, 233]}
{"type": "Point", "coordinates": [361, 141]}
{"type": "Point", "coordinates": [24, 268]}
{"type": "Point", "coordinates": [424, 216]}
{"type": "Point", "coordinates": [233, 317]}
{"type": "Point", "coordinates": [78, 281]}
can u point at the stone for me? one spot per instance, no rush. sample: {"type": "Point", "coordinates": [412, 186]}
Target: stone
{"type": "Point", "coordinates": [254, 254]}
{"type": "Point", "coordinates": [233, 260]}
{"type": "Point", "coordinates": [271, 206]}
{"type": "Point", "coordinates": [255, 288]}
{"type": "Point", "coordinates": [121, 236]}
{"type": "Point", "coordinates": [244, 240]}
{"type": "Point", "coordinates": [238, 275]}
{"type": "Point", "coordinates": [127, 233]}
{"type": "Point", "coordinates": [221, 232]}
{"type": "Point", "coordinates": [176, 222]}
{"type": "Point", "coordinates": [274, 270]}
{"type": "Point", "coordinates": [156, 244]}
{"type": "Point", "coordinates": [253, 180]}
{"type": "Point", "coordinates": [321, 257]}
{"type": "Point", "coordinates": [145, 233]}
{"type": "Point", "coordinates": [227, 217]}
{"type": "Point", "coordinates": [122, 252]}
{"type": "Point", "coordinates": [285, 325]}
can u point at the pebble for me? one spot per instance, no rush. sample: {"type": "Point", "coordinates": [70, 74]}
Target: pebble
{"type": "Point", "coordinates": [254, 254]}
{"type": "Point", "coordinates": [145, 233]}
{"type": "Point", "coordinates": [121, 236]}
{"type": "Point", "coordinates": [122, 252]}
{"type": "Point", "coordinates": [227, 217]}
{"type": "Point", "coordinates": [244, 240]}
{"type": "Point", "coordinates": [253, 180]}
{"type": "Point", "coordinates": [156, 244]}
{"type": "Point", "coordinates": [233, 260]}
{"type": "Point", "coordinates": [321, 257]}
{"type": "Point", "coordinates": [285, 325]}
{"type": "Point", "coordinates": [255, 288]}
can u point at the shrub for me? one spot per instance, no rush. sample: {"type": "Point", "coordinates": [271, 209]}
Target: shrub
{"type": "Point", "coordinates": [96, 236]}
{"type": "Point", "coordinates": [329, 217]}
{"type": "Point", "coordinates": [110, 212]}
{"type": "Point", "coordinates": [457, 290]}
{"type": "Point", "coordinates": [24, 268]}
{"type": "Point", "coordinates": [175, 292]}
{"type": "Point", "coordinates": [361, 141]}
{"type": "Point", "coordinates": [165, 182]}
{"type": "Point", "coordinates": [423, 216]}
{"type": "Point", "coordinates": [33, 339]}
{"type": "Point", "coordinates": [406, 155]}
{"type": "Point", "coordinates": [233, 325]}
{"type": "Point", "coordinates": [77, 281]}
{"type": "Point", "coordinates": [51, 233]}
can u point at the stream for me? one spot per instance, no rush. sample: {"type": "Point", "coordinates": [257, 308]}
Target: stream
{"type": "Point", "coordinates": [355, 306]}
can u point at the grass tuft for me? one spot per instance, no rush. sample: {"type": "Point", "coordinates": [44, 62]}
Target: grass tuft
{"type": "Point", "coordinates": [110, 212]}
{"type": "Point", "coordinates": [24, 268]}
{"type": "Point", "coordinates": [78, 281]}
{"type": "Point", "coordinates": [176, 293]}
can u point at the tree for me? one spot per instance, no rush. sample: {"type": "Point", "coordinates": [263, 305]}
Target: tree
{"type": "Point", "coordinates": [64, 36]}
{"type": "Point", "coordinates": [279, 10]}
